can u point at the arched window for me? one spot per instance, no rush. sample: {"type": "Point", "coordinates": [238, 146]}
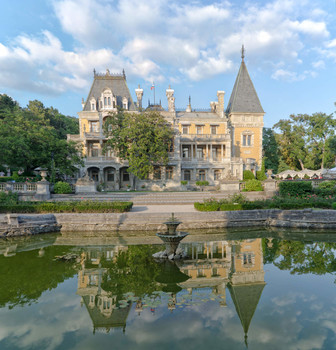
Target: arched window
{"type": "Point", "coordinates": [105, 101]}
{"type": "Point", "coordinates": [109, 101]}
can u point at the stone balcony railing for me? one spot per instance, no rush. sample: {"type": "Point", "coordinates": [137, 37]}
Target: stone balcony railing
{"type": "Point", "coordinates": [204, 137]}
{"type": "Point", "coordinates": [19, 187]}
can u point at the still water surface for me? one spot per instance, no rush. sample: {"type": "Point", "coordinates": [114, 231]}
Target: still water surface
{"type": "Point", "coordinates": [264, 290]}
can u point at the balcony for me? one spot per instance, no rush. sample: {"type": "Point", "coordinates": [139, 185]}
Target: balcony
{"type": "Point", "coordinates": [93, 135]}
{"type": "Point", "coordinates": [204, 137]}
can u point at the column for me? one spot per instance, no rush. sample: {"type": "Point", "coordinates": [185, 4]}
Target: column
{"type": "Point", "coordinates": [222, 152]}
{"type": "Point", "coordinates": [211, 157]}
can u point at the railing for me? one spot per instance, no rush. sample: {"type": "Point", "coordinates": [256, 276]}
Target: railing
{"type": "Point", "coordinates": [21, 187]}
{"type": "Point", "coordinates": [92, 134]}
{"type": "Point", "coordinates": [208, 137]}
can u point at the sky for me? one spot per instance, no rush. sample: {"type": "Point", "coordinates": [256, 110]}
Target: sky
{"type": "Point", "coordinates": [49, 48]}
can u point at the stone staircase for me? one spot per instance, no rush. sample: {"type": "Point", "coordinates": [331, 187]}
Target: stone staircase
{"type": "Point", "coordinates": [152, 198]}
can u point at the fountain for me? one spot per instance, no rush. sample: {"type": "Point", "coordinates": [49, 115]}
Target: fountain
{"type": "Point", "coordinates": [172, 239]}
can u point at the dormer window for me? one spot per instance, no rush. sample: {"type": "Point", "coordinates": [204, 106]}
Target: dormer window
{"type": "Point", "coordinates": [125, 103]}
{"type": "Point", "coordinates": [107, 100]}
{"type": "Point", "coordinates": [93, 104]}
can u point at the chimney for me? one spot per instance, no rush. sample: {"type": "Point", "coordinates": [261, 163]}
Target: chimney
{"type": "Point", "coordinates": [171, 99]}
{"type": "Point", "coordinates": [220, 108]}
{"type": "Point", "coordinates": [139, 94]}
{"type": "Point", "coordinates": [83, 103]}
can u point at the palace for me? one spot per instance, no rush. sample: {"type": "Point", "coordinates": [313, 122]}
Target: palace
{"type": "Point", "coordinates": [214, 145]}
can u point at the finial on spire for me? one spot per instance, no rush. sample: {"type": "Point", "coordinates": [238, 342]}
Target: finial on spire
{"type": "Point", "coordinates": [243, 53]}
{"type": "Point", "coordinates": [94, 72]}
{"type": "Point", "coordinates": [124, 74]}
{"type": "Point", "coordinates": [189, 100]}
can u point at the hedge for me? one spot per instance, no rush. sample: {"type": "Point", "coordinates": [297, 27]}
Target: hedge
{"type": "Point", "coordinates": [61, 187]}
{"type": "Point", "coordinates": [67, 207]}
{"type": "Point", "coordinates": [253, 185]}
{"type": "Point", "coordinates": [248, 175]}
{"type": "Point", "coordinates": [295, 188]}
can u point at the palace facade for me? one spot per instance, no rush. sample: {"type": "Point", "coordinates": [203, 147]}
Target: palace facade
{"type": "Point", "coordinates": [214, 145]}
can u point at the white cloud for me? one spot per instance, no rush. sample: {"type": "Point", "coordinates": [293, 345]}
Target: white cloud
{"type": "Point", "coordinates": [155, 39]}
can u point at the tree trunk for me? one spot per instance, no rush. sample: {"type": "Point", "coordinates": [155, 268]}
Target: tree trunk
{"type": "Point", "coordinates": [301, 164]}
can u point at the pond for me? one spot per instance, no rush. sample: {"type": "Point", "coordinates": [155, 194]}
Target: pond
{"type": "Point", "coordinates": [257, 289]}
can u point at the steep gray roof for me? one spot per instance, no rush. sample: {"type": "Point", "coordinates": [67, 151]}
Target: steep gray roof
{"type": "Point", "coordinates": [244, 97]}
{"type": "Point", "coordinates": [116, 83]}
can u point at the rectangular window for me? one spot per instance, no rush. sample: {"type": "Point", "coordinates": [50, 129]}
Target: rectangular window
{"type": "Point", "coordinates": [171, 146]}
{"type": "Point", "coordinates": [247, 140]}
{"type": "Point", "coordinates": [200, 153]}
{"type": "Point", "coordinates": [169, 173]}
{"type": "Point", "coordinates": [213, 129]}
{"type": "Point", "coordinates": [94, 126]}
{"type": "Point", "coordinates": [94, 151]}
{"type": "Point", "coordinates": [110, 177]}
{"type": "Point", "coordinates": [201, 175]}
{"type": "Point", "coordinates": [199, 129]}
{"type": "Point", "coordinates": [185, 129]}
{"type": "Point", "coordinates": [185, 152]}
{"type": "Point", "coordinates": [125, 176]}
{"type": "Point", "coordinates": [217, 175]}
{"type": "Point", "coordinates": [186, 175]}
{"type": "Point", "coordinates": [157, 173]}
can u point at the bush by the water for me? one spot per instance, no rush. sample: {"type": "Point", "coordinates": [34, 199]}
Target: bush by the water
{"type": "Point", "coordinates": [310, 201]}
{"type": "Point", "coordinates": [248, 175]}
{"type": "Point", "coordinates": [253, 185]}
{"type": "Point", "coordinates": [66, 207]}
{"type": "Point", "coordinates": [61, 187]}
{"type": "Point", "coordinates": [295, 188]}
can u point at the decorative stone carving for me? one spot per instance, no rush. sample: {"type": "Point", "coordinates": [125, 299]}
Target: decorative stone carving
{"type": "Point", "coordinates": [139, 95]}
{"type": "Point", "coordinates": [171, 99]}
{"type": "Point", "coordinates": [85, 184]}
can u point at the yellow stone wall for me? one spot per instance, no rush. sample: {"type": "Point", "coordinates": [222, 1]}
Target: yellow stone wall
{"type": "Point", "coordinates": [254, 150]}
{"type": "Point", "coordinates": [250, 247]}
{"type": "Point", "coordinates": [84, 126]}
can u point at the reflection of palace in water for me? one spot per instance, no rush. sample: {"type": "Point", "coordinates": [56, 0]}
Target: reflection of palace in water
{"type": "Point", "coordinates": [219, 265]}
{"type": "Point", "coordinates": [100, 304]}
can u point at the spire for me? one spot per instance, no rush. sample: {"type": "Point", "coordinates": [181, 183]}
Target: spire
{"type": "Point", "coordinates": [244, 98]}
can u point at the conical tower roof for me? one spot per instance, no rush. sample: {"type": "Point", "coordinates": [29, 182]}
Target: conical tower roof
{"type": "Point", "coordinates": [246, 298]}
{"type": "Point", "coordinates": [244, 98]}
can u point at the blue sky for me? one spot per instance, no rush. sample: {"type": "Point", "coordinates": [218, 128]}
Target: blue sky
{"type": "Point", "coordinates": [48, 49]}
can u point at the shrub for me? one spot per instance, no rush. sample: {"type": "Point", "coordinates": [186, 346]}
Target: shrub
{"type": "Point", "coordinates": [248, 175]}
{"type": "Point", "coordinates": [253, 185]}
{"type": "Point", "coordinates": [61, 187]}
{"type": "Point", "coordinates": [184, 182]}
{"type": "Point", "coordinates": [237, 198]}
{"type": "Point", "coordinates": [295, 188]}
{"type": "Point", "coordinates": [202, 183]}
{"type": "Point", "coordinates": [334, 205]}
{"type": "Point", "coordinates": [327, 185]}
{"type": "Point", "coordinates": [67, 207]}
{"type": "Point", "coordinates": [8, 198]}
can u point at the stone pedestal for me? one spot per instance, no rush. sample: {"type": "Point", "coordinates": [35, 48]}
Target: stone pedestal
{"type": "Point", "coordinates": [85, 185]}
{"type": "Point", "coordinates": [230, 186]}
{"type": "Point", "coordinates": [42, 190]}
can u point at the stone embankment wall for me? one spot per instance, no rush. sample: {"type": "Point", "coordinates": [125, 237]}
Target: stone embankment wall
{"type": "Point", "coordinates": [24, 225]}
{"type": "Point", "coordinates": [307, 218]}
{"type": "Point", "coordinates": [114, 223]}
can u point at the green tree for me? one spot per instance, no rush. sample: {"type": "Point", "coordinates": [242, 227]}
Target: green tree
{"type": "Point", "coordinates": [270, 150]}
{"type": "Point", "coordinates": [142, 139]}
{"type": "Point", "coordinates": [307, 141]}
{"type": "Point", "coordinates": [28, 140]}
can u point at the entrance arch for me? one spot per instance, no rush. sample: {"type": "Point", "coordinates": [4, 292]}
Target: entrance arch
{"type": "Point", "coordinates": [93, 173]}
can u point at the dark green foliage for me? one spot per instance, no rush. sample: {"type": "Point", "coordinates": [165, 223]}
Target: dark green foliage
{"type": "Point", "coordinates": [261, 174]}
{"type": "Point", "coordinates": [248, 175]}
{"type": "Point", "coordinates": [8, 198]}
{"type": "Point", "coordinates": [253, 185]}
{"type": "Point", "coordinates": [184, 182]}
{"type": "Point", "coordinates": [295, 188]}
{"type": "Point", "coordinates": [67, 207]}
{"type": "Point", "coordinates": [270, 151]}
{"type": "Point", "coordinates": [285, 203]}
{"type": "Point", "coordinates": [61, 187]}
{"type": "Point", "coordinates": [202, 183]}
{"type": "Point", "coordinates": [142, 139]}
{"type": "Point", "coordinates": [30, 136]}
